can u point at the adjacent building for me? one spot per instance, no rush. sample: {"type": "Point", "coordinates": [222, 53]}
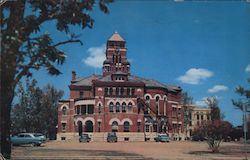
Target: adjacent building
{"type": "Point", "coordinates": [196, 116]}
{"type": "Point", "coordinates": [118, 101]}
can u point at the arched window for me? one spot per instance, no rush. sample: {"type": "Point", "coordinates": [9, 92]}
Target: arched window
{"type": "Point", "coordinates": [114, 126]}
{"type": "Point", "coordinates": [147, 104]}
{"type": "Point", "coordinates": [64, 110]}
{"type": "Point", "coordinates": [157, 105]}
{"type": "Point", "coordinates": [111, 107]}
{"type": "Point", "coordinates": [126, 126]}
{"type": "Point", "coordinates": [117, 107]}
{"type": "Point", "coordinates": [129, 106]}
{"type": "Point", "coordinates": [123, 107]}
{"type": "Point", "coordinates": [157, 99]}
{"type": "Point", "coordinates": [88, 126]}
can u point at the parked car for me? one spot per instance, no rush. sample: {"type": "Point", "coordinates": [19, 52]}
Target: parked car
{"type": "Point", "coordinates": [112, 137]}
{"type": "Point", "coordinates": [41, 136]}
{"type": "Point", "coordinates": [162, 138]}
{"type": "Point", "coordinates": [26, 138]}
{"type": "Point", "coordinates": [198, 138]}
{"type": "Point", "coordinates": [84, 138]}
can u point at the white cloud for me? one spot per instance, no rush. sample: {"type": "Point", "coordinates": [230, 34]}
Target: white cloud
{"type": "Point", "coordinates": [248, 68]}
{"type": "Point", "coordinates": [202, 102]}
{"type": "Point", "coordinates": [96, 56]}
{"type": "Point", "coordinates": [218, 88]}
{"type": "Point", "coordinates": [195, 75]}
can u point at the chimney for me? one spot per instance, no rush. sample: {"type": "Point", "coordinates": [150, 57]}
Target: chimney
{"type": "Point", "coordinates": [73, 75]}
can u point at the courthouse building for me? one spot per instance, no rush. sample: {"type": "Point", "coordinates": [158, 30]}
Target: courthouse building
{"type": "Point", "coordinates": [118, 101]}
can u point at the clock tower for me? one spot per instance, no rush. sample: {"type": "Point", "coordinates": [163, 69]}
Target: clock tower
{"type": "Point", "coordinates": [116, 56]}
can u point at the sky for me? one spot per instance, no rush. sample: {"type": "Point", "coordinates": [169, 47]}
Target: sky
{"type": "Point", "coordinates": [202, 46]}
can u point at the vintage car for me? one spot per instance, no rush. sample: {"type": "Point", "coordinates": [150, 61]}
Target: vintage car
{"type": "Point", "coordinates": [162, 138]}
{"type": "Point", "coordinates": [112, 137]}
{"type": "Point", "coordinates": [84, 138]}
{"type": "Point", "coordinates": [27, 138]}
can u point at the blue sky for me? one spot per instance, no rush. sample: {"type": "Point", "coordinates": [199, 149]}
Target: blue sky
{"type": "Point", "coordinates": [204, 47]}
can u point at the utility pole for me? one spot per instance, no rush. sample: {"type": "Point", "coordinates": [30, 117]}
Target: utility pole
{"type": "Point", "coordinates": [245, 129]}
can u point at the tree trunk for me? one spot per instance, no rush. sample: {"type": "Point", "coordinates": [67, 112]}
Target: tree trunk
{"type": "Point", "coordinates": [9, 54]}
{"type": "Point", "coordinates": [7, 94]}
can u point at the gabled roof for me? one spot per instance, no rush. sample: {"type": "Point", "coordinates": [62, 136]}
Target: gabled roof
{"type": "Point", "coordinates": [116, 37]}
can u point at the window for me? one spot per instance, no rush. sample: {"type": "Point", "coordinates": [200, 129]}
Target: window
{"type": "Point", "coordinates": [111, 91]}
{"type": "Point", "coordinates": [78, 110]}
{"type": "Point", "coordinates": [111, 107]}
{"type": "Point", "coordinates": [128, 91]}
{"type": "Point", "coordinates": [99, 126]}
{"type": "Point", "coordinates": [122, 91]}
{"type": "Point", "coordinates": [201, 117]}
{"type": "Point", "coordinates": [126, 126]}
{"type": "Point", "coordinates": [123, 107]}
{"type": "Point", "coordinates": [117, 91]}
{"type": "Point", "coordinates": [157, 99]}
{"type": "Point", "coordinates": [129, 106]}
{"type": "Point", "coordinates": [83, 109]}
{"type": "Point", "coordinates": [64, 110]}
{"type": "Point", "coordinates": [208, 117]}
{"type": "Point", "coordinates": [106, 91]}
{"type": "Point", "coordinates": [63, 126]}
{"type": "Point", "coordinates": [133, 91]}
{"type": "Point", "coordinates": [157, 108]}
{"type": "Point", "coordinates": [198, 116]}
{"type": "Point", "coordinates": [90, 109]}
{"type": "Point", "coordinates": [179, 110]}
{"type": "Point", "coordinates": [138, 126]}
{"type": "Point", "coordinates": [117, 107]}
{"type": "Point", "coordinates": [114, 126]}
{"type": "Point", "coordinates": [147, 128]}
{"type": "Point", "coordinates": [99, 108]}
{"type": "Point", "coordinates": [81, 94]}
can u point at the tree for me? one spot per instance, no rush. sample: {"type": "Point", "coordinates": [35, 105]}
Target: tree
{"type": "Point", "coordinates": [186, 101]}
{"type": "Point", "coordinates": [244, 101]}
{"type": "Point", "coordinates": [24, 47]}
{"type": "Point", "coordinates": [213, 104]}
{"type": "Point", "coordinates": [214, 132]}
{"type": "Point", "coordinates": [36, 110]}
{"type": "Point", "coordinates": [215, 129]}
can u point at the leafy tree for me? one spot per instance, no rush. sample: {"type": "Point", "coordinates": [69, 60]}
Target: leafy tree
{"type": "Point", "coordinates": [214, 132]}
{"type": "Point", "coordinates": [36, 110]}
{"type": "Point", "coordinates": [24, 113]}
{"type": "Point", "coordinates": [24, 47]}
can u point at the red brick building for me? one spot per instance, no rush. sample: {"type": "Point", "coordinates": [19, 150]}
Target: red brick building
{"type": "Point", "coordinates": [134, 107]}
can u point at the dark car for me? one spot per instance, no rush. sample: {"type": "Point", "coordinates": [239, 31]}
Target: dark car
{"type": "Point", "coordinates": [84, 138]}
{"type": "Point", "coordinates": [111, 137]}
{"type": "Point", "coordinates": [198, 138]}
{"type": "Point", "coordinates": [162, 138]}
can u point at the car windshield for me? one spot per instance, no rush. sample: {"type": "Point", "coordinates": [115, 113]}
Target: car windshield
{"type": "Point", "coordinates": [163, 135]}
{"type": "Point", "coordinates": [112, 134]}
{"type": "Point", "coordinates": [84, 135]}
